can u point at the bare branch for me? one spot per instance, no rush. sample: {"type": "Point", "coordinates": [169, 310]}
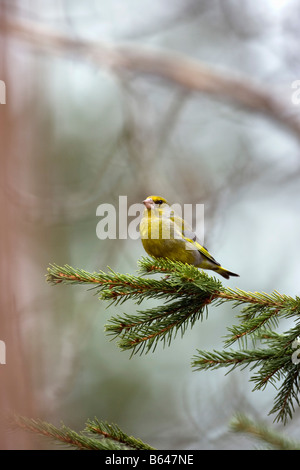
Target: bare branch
{"type": "Point", "coordinates": [174, 67]}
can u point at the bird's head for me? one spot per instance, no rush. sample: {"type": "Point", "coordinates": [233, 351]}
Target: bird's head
{"type": "Point", "coordinates": [155, 202]}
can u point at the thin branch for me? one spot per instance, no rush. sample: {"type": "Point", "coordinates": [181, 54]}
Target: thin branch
{"type": "Point", "coordinates": [174, 67]}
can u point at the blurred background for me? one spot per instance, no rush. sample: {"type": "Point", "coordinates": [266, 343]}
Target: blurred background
{"type": "Point", "coordinates": [76, 133]}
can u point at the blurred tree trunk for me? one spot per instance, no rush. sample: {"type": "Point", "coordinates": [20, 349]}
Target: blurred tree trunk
{"type": "Point", "coordinates": [15, 389]}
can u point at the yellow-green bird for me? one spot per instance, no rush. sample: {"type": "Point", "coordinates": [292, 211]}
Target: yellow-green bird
{"type": "Point", "coordinates": [166, 235]}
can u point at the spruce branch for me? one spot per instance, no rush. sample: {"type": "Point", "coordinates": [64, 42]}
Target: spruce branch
{"type": "Point", "coordinates": [288, 395]}
{"type": "Point", "coordinates": [113, 432]}
{"type": "Point", "coordinates": [273, 364]}
{"type": "Point", "coordinates": [261, 311]}
{"type": "Point", "coordinates": [243, 424]}
{"type": "Point", "coordinates": [109, 436]}
{"type": "Point", "coordinates": [143, 332]}
{"type": "Point", "coordinates": [186, 293]}
{"type": "Point", "coordinates": [63, 435]}
{"type": "Point", "coordinates": [114, 286]}
{"type": "Point", "coordinates": [243, 358]}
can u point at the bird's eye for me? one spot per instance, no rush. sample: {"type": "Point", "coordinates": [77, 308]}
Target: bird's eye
{"type": "Point", "coordinates": [159, 202]}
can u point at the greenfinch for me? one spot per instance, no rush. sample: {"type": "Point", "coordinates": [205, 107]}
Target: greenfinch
{"type": "Point", "coordinates": [166, 235]}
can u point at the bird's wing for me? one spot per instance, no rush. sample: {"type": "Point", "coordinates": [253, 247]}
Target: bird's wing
{"type": "Point", "coordinates": [189, 235]}
{"type": "Point", "coordinates": [203, 251]}
{"type": "Point", "coordinates": [183, 226]}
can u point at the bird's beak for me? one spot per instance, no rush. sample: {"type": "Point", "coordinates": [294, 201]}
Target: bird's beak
{"type": "Point", "coordinates": [149, 204]}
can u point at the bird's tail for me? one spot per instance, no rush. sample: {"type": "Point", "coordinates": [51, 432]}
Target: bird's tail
{"type": "Point", "coordinates": [225, 273]}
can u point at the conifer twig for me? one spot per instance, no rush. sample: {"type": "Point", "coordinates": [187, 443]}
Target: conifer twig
{"type": "Point", "coordinates": [113, 432]}
{"type": "Point", "coordinates": [109, 436]}
{"type": "Point", "coordinates": [242, 424]}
